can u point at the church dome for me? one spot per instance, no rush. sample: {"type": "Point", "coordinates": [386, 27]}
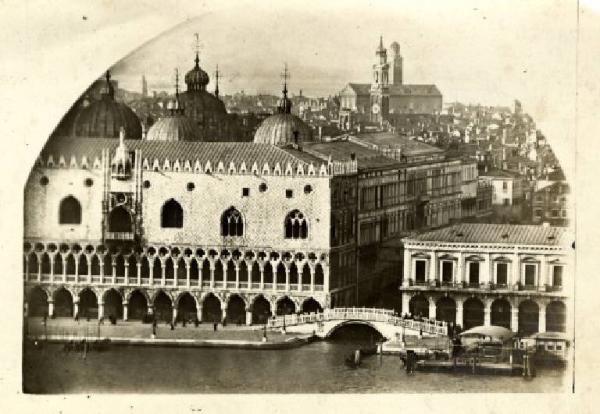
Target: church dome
{"type": "Point", "coordinates": [283, 127]}
{"type": "Point", "coordinates": [105, 117]}
{"type": "Point", "coordinates": [173, 128]}
{"type": "Point", "coordinates": [196, 79]}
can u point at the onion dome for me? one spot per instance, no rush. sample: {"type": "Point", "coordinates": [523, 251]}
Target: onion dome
{"type": "Point", "coordinates": [105, 117]}
{"type": "Point", "coordinates": [196, 79]}
{"type": "Point", "coordinates": [121, 163]}
{"type": "Point", "coordinates": [283, 127]}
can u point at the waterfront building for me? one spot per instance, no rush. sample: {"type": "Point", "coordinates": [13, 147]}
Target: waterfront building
{"type": "Point", "coordinates": [212, 230]}
{"type": "Point", "coordinates": [374, 102]}
{"type": "Point", "coordinates": [516, 276]}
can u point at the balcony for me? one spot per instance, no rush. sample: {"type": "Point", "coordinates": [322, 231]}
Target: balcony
{"type": "Point", "coordinates": [119, 235]}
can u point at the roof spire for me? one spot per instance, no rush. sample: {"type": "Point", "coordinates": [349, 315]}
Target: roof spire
{"type": "Point", "coordinates": [197, 60]}
{"type": "Point", "coordinates": [285, 106]}
{"type": "Point", "coordinates": [217, 81]}
{"type": "Point", "coordinates": [381, 41]}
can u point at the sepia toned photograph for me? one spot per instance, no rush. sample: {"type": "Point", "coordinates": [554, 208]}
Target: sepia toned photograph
{"type": "Point", "coordinates": [276, 199]}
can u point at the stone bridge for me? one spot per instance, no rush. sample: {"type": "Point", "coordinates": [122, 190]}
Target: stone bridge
{"type": "Point", "coordinates": [384, 321]}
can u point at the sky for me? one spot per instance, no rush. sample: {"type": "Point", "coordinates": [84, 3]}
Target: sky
{"type": "Point", "coordinates": [474, 51]}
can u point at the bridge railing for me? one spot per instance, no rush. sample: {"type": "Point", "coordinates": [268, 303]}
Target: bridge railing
{"type": "Point", "coordinates": [363, 314]}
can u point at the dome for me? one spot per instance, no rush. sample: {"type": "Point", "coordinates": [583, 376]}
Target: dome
{"type": "Point", "coordinates": [105, 117]}
{"type": "Point", "coordinates": [176, 127]}
{"type": "Point", "coordinates": [280, 129]}
{"type": "Point", "coordinates": [196, 79]}
{"type": "Point", "coordinates": [199, 103]}
{"type": "Point", "coordinates": [395, 47]}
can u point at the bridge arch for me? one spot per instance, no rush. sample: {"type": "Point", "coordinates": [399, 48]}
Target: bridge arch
{"type": "Point", "coordinates": [341, 324]}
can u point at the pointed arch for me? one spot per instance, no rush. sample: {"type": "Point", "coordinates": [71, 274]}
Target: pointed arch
{"type": "Point", "coordinates": [230, 273]}
{"type": "Point", "coordinates": [119, 220]}
{"type": "Point", "coordinates": [236, 309]}
{"type": "Point", "coordinates": [255, 273]}
{"type": "Point", "coordinates": [218, 272]}
{"type": "Point", "coordinates": [211, 309]}
{"type": "Point", "coordinates": [163, 306]}
{"type": "Point", "coordinates": [310, 305]}
{"type": "Point", "coordinates": [293, 274]}
{"type": "Point", "coordinates": [319, 275]}
{"type": "Point", "coordinates": [33, 265]}
{"type": "Point", "coordinates": [137, 304]}
{"type": "Point", "coordinates": [281, 274]}
{"type": "Point", "coordinates": [181, 269]}
{"type": "Point", "coordinates": [232, 223]}
{"type": "Point", "coordinates": [261, 310]}
{"type": "Point", "coordinates": [70, 265]}
{"type": "Point", "coordinates": [306, 274]}
{"type": "Point", "coordinates": [58, 264]}
{"type": "Point", "coordinates": [157, 270]}
{"type": "Point", "coordinates": [113, 303]}
{"type": "Point", "coordinates": [285, 306]}
{"type": "Point", "coordinates": [108, 270]}
{"type": "Point", "coordinates": [145, 267]}
{"type": "Point", "coordinates": [120, 265]}
{"type": "Point", "coordinates": [63, 303]}
{"type": "Point", "coordinates": [205, 269]}
{"type": "Point", "coordinates": [187, 308]}
{"type": "Point", "coordinates": [268, 272]}
{"type": "Point", "coordinates": [45, 263]}
{"type": "Point", "coordinates": [171, 214]}
{"type": "Point", "coordinates": [95, 266]}
{"type": "Point", "coordinates": [169, 269]}
{"type": "Point", "coordinates": [88, 303]}
{"type": "Point", "coordinates": [194, 271]}
{"type": "Point", "coordinates": [132, 270]}
{"type": "Point", "coordinates": [69, 211]}
{"type": "Point", "coordinates": [295, 225]}
{"type": "Point", "coordinates": [83, 269]}
{"type": "Point", "coordinates": [243, 271]}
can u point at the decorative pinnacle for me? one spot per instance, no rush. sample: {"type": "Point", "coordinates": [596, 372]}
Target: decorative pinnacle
{"type": "Point", "coordinates": [285, 76]}
{"type": "Point", "coordinates": [176, 82]}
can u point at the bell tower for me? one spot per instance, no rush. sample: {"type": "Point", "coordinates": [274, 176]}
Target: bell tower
{"type": "Point", "coordinates": [380, 86]}
{"type": "Point", "coordinates": [396, 64]}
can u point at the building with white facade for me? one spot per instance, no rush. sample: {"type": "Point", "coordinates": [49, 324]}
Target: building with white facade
{"type": "Point", "coordinates": [516, 276]}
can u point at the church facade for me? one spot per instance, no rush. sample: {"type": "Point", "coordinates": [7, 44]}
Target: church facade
{"type": "Point", "coordinates": [387, 94]}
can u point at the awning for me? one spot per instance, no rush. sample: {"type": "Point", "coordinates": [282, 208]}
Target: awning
{"type": "Point", "coordinates": [495, 332]}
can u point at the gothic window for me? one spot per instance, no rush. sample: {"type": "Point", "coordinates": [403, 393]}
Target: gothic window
{"type": "Point", "coordinates": [70, 211]}
{"type": "Point", "coordinates": [119, 220]}
{"type": "Point", "coordinates": [232, 223]}
{"type": "Point", "coordinates": [171, 215]}
{"type": "Point", "coordinates": [296, 226]}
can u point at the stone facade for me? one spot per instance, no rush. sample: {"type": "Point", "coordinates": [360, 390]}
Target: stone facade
{"type": "Point", "coordinates": [522, 285]}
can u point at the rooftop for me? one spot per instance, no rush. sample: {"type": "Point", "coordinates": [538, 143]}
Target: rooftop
{"type": "Point", "coordinates": [408, 146]}
{"type": "Point", "coordinates": [214, 152]}
{"type": "Point", "coordinates": [496, 233]}
{"type": "Point", "coordinates": [499, 173]}
{"type": "Point", "coordinates": [342, 151]}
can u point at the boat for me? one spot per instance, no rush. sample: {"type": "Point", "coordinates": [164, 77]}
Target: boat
{"type": "Point", "coordinates": [550, 348]}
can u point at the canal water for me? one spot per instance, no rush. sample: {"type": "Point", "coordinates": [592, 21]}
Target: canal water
{"type": "Point", "coordinates": [315, 368]}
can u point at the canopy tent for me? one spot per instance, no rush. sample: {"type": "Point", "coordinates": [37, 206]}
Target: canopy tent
{"type": "Point", "coordinates": [494, 332]}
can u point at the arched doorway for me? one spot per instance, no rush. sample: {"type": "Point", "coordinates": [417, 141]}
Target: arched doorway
{"type": "Point", "coordinates": [163, 307]}
{"type": "Point", "coordinates": [285, 306]}
{"type": "Point", "coordinates": [88, 304]}
{"type": "Point", "coordinates": [261, 310]}
{"type": "Point", "coordinates": [528, 317]}
{"type": "Point", "coordinates": [138, 306]}
{"type": "Point", "coordinates": [445, 310]}
{"type": "Point", "coordinates": [186, 308]}
{"type": "Point", "coordinates": [310, 305]}
{"type": "Point", "coordinates": [500, 315]}
{"type": "Point", "coordinates": [236, 310]}
{"type": "Point", "coordinates": [37, 303]}
{"type": "Point", "coordinates": [113, 304]}
{"type": "Point", "coordinates": [63, 303]}
{"type": "Point", "coordinates": [211, 309]}
{"type": "Point", "coordinates": [556, 317]}
{"type": "Point", "coordinates": [419, 306]}
{"type": "Point", "coordinates": [472, 313]}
